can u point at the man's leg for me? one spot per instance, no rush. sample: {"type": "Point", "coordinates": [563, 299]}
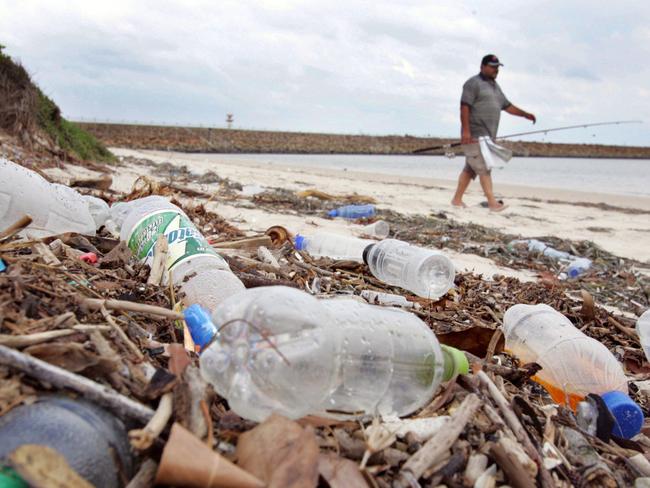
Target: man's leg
{"type": "Point", "coordinates": [486, 184]}
{"type": "Point", "coordinates": [464, 180]}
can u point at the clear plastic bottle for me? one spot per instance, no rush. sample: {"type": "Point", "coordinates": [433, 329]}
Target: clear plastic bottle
{"type": "Point", "coordinates": [377, 230]}
{"type": "Point", "coordinates": [279, 349]}
{"type": "Point", "coordinates": [643, 329]}
{"type": "Point", "coordinates": [425, 272]}
{"type": "Point", "coordinates": [209, 279]}
{"type": "Point", "coordinates": [334, 246]}
{"type": "Point", "coordinates": [573, 364]}
{"type": "Point", "coordinates": [545, 249]}
{"type": "Point", "coordinates": [577, 267]}
{"type": "Point", "coordinates": [353, 211]}
{"type": "Point", "coordinates": [54, 208]}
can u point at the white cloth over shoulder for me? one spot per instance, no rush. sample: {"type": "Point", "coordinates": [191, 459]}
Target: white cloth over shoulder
{"type": "Point", "coordinates": [495, 156]}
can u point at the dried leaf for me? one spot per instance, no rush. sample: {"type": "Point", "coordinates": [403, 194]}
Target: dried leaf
{"type": "Point", "coordinates": [178, 359]}
{"type": "Point", "coordinates": [475, 340]}
{"type": "Point", "coordinates": [161, 382]}
{"type": "Point", "coordinates": [340, 472]}
{"type": "Point", "coordinates": [71, 356]}
{"type": "Point", "coordinates": [588, 310]}
{"type": "Point", "coordinates": [281, 453]}
{"type": "Point", "coordinates": [42, 466]}
{"type": "Point", "coordinates": [117, 258]}
{"type": "Point", "coordinates": [103, 182]}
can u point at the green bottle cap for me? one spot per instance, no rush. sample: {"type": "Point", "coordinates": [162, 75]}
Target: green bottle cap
{"type": "Point", "coordinates": [455, 362]}
{"type": "Point", "coordinates": [10, 479]}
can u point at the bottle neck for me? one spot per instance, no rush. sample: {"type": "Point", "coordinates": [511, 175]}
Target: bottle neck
{"type": "Point", "coordinates": [366, 252]}
{"type": "Point", "coordinates": [455, 362]}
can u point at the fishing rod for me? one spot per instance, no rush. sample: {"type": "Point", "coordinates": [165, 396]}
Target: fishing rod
{"type": "Point", "coordinates": [544, 131]}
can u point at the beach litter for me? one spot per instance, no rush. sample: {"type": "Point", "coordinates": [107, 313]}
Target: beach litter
{"type": "Point", "coordinates": [115, 337]}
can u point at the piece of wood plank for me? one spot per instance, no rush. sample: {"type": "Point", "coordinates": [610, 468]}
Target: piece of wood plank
{"type": "Point", "coordinates": [436, 447]}
{"type": "Point", "coordinates": [61, 378]}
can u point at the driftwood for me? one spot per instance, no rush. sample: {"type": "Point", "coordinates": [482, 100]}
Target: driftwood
{"type": "Point", "coordinates": [248, 243]}
{"type": "Point", "coordinates": [16, 227]}
{"type": "Point", "coordinates": [145, 475]}
{"type": "Point", "coordinates": [125, 306]}
{"type": "Point", "coordinates": [158, 267]}
{"type": "Point", "coordinates": [509, 461]}
{"type": "Point", "coordinates": [61, 378]}
{"type": "Point", "coordinates": [437, 446]}
{"type": "Point", "coordinates": [39, 337]}
{"type": "Point", "coordinates": [545, 478]}
{"type": "Point", "coordinates": [142, 439]}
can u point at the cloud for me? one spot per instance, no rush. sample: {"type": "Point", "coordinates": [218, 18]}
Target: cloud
{"type": "Point", "coordinates": [373, 67]}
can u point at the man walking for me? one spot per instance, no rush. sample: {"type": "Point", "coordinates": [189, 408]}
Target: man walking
{"type": "Point", "coordinates": [480, 109]}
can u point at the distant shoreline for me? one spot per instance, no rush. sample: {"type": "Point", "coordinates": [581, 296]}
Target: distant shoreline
{"type": "Point", "coordinates": [237, 141]}
{"type": "Point", "coordinates": [401, 154]}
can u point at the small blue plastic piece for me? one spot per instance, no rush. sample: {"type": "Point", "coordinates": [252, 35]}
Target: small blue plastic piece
{"type": "Point", "coordinates": [3, 266]}
{"type": "Point", "coordinates": [299, 242]}
{"type": "Point", "coordinates": [333, 213]}
{"type": "Point", "coordinates": [627, 414]}
{"type": "Point", "coordinates": [198, 320]}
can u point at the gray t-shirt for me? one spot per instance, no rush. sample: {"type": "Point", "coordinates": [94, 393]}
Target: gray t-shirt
{"type": "Point", "coordinates": [485, 100]}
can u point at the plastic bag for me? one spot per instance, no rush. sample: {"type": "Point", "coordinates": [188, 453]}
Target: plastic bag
{"type": "Point", "coordinates": [495, 156]}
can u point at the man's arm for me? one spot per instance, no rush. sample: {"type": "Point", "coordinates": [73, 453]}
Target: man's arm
{"type": "Point", "coordinates": [465, 134]}
{"type": "Point", "coordinates": [513, 110]}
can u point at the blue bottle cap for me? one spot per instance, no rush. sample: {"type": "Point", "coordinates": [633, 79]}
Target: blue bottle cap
{"type": "Point", "coordinates": [627, 414]}
{"type": "Point", "coordinates": [299, 242]}
{"type": "Point", "coordinates": [198, 320]}
{"type": "Point", "coordinates": [333, 213]}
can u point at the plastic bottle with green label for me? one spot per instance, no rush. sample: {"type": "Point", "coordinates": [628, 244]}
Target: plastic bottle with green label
{"type": "Point", "coordinates": [204, 276]}
{"type": "Point", "coordinates": [279, 349]}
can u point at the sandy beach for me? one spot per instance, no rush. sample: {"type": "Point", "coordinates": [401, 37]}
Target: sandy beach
{"type": "Point", "coordinates": [530, 212]}
{"type": "Point", "coordinates": [572, 215]}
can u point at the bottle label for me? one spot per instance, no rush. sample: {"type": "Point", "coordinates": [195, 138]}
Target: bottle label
{"type": "Point", "coordinates": [183, 238]}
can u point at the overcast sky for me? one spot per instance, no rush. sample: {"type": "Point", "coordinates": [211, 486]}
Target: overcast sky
{"type": "Point", "coordinates": [371, 67]}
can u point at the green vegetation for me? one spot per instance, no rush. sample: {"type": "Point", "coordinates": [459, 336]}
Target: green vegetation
{"type": "Point", "coordinates": [24, 109]}
{"type": "Point", "coordinates": [67, 135]}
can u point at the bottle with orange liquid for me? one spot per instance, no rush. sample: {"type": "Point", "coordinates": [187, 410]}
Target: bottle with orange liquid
{"type": "Point", "coordinates": [573, 364]}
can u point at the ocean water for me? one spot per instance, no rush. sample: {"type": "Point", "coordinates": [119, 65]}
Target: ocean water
{"type": "Point", "coordinates": [614, 176]}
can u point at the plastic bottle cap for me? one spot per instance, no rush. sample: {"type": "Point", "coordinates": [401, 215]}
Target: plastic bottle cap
{"type": "Point", "coordinates": [198, 320]}
{"type": "Point", "coordinates": [333, 213]}
{"type": "Point", "coordinates": [299, 242]}
{"type": "Point", "coordinates": [455, 362]}
{"type": "Point", "coordinates": [627, 414]}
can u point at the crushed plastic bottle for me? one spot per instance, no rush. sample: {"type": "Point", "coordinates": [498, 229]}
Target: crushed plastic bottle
{"type": "Point", "coordinates": [209, 279]}
{"type": "Point", "coordinates": [643, 330]}
{"type": "Point", "coordinates": [545, 249]}
{"type": "Point", "coordinates": [353, 211]}
{"type": "Point", "coordinates": [54, 208]}
{"type": "Point", "coordinates": [573, 364]}
{"type": "Point", "coordinates": [94, 443]}
{"type": "Point", "coordinates": [278, 349]}
{"type": "Point", "coordinates": [334, 246]}
{"type": "Point", "coordinates": [426, 272]}
{"type": "Point", "coordinates": [577, 267]}
{"type": "Point", "coordinates": [377, 230]}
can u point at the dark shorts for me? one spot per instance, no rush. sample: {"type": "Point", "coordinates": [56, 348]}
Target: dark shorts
{"type": "Point", "coordinates": [474, 162]}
